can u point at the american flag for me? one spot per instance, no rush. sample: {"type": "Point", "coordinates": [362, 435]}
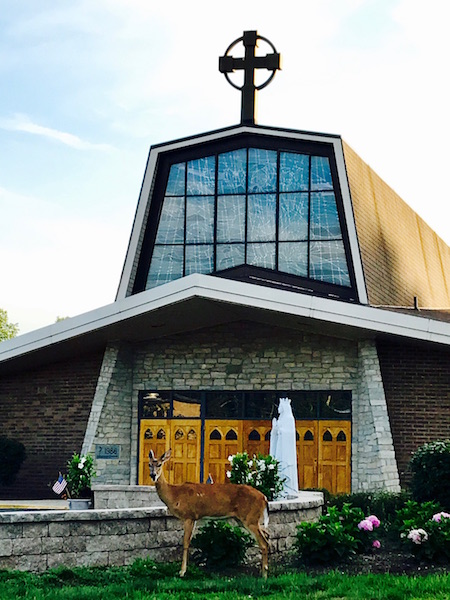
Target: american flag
{"type": "Point", "coordinates": [59, 485]}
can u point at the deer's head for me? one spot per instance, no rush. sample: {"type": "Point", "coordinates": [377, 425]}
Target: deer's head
{"type": "Point", "coordinates": [156, 465]}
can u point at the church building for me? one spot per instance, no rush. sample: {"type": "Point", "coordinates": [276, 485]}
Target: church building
{"type": "Point", "coordinates": [262, 263]}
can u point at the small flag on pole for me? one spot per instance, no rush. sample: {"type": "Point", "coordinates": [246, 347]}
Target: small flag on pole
{"type": "Point", "coordinates": [59, 485]}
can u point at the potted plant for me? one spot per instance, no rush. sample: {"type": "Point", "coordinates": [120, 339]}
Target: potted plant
{"type": "Point", "coordinates": [80, 471]}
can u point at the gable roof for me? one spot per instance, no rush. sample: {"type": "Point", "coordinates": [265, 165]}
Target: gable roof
{"type": "Point", "coordinates": [400, 257]}
{"type": "Point", "coordinates": [199, 301]}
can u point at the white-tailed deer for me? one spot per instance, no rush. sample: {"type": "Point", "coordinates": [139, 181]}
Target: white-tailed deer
{"type": "Point", "coordinates": [190, 502]}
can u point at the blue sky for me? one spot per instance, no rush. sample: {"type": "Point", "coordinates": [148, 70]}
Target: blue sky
{"type": "Point", "coordinates": [88, 85]}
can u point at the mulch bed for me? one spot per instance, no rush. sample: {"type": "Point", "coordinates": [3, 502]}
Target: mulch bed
{"type": "Point", "coordinates": [390, 558]}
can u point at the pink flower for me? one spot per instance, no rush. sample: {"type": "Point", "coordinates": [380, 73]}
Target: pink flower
{"type": "Point", "coordinates": [417, 536]}
{"type": "Point", "coordinates": [374, 520]}
{"type": "Point", "coordinates": [441, 515]}
{"type": "Point", "coordinates": [366, 525]}
{"type": "Point", "coordinates": [376, 544]}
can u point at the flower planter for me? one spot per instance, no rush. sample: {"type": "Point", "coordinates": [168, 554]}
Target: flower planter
{"type": "Point", "coordinates": [80, 503]}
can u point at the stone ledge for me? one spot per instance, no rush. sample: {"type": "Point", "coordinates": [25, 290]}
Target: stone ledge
{"type": "Point", "coordinates": [101, 487]}
{"type": "Point", "coordinates": [82, 515]}
{"type": "Point", "coordinates": [304, 501]}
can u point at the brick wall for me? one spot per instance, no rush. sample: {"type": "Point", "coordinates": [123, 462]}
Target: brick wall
{"type": "Point", "coordinates": [417, 388]}
{"type": "Point", "coordinates": [47, 410]}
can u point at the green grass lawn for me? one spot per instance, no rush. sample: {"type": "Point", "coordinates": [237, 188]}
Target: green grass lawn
{"type": "Point", "coordinates": [146, 580]}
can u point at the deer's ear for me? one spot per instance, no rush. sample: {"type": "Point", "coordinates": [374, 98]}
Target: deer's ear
{"type": "Point", "coordinates": [166, 455]}
{"type": "Point", "coordinates": [151, 455]}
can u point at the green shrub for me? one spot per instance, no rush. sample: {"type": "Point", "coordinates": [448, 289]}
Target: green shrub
{"type": "Point", "coordinates": [324, 543]}
{"type": "Point", "coordinates": [261, 472]}
{"type": "Point", "coordinates": [383, 504]}
{"type": "Point", "coordinates": [12, 455]}
{"type": "Point", "coordinates": [80, 471]}
{"type": "Point", "coordinates": [431, 539]}
{"type": "Point", "coordinates": [221, 545]}
{"type": "Point", "coordinates": [414, 515]}
{"type": "Point", "coordinates": [430, 467]}
{"type": "Point", "coordinates": [338, 534]}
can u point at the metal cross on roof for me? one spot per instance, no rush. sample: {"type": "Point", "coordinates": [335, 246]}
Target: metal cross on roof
{"type": "Point", "coordinates": [229, 64]}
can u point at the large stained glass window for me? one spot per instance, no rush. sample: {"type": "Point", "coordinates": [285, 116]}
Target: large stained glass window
{"type": "Point", "coordinates": [252, 207]}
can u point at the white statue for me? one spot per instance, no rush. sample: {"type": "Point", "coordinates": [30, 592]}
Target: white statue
{"type": "Point", "coordinates": [283, 447]}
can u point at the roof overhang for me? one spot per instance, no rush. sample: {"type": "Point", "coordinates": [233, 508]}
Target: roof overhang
{"type": "Point", "coordinates": [200, 301]}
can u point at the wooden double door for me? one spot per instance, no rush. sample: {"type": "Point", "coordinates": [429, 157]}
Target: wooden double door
{"type": "Point", "coordinates": [201, 448]}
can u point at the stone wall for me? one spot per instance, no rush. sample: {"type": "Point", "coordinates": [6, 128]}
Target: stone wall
{"type": "Point", "coordinates": [374, 464]}
{"type": "Point", "coordinates": [37, 541]}
{"type": "Point", "coordinates": [248, 356]}
{"type": "Point", "coordinates": [112, 416]}
{"type": "Point", "coordinates": [245, 356]}
{"type": "Point", "coordinates": [125, 496]}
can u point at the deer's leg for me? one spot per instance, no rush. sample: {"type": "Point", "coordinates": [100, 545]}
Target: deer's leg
{"type": "Point", "coordinates": [188, 530]}
{"type": "Point", "coordinates": [263, 543]}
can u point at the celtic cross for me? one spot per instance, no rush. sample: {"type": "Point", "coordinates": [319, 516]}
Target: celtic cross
{"type": "Point", "coordinates": [250, 62]}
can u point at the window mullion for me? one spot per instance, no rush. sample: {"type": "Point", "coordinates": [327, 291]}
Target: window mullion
{"type": "Point", "coordinates": [277, 211]}
{"type": "Point", "coordinates": [308, 251]}
{"type": "Point", "coordinates": [216, 192]}
{"type": "Point", "coordinates": [185, 216]}
{"type": "Point", "coordinates": [246, 206]}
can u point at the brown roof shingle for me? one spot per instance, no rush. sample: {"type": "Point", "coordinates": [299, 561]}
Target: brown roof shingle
{"type": "Point", "coordinates": [402, 256]}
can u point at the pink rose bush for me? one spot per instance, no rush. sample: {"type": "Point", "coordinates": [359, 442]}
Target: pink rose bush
{"type": "Point", "coordinates": [417, 536]}
{"type": "Point", "coordinates": [439, 516]}
{"type": "Point", "coordinates": [425, 530]}
{"type": "Point", "coordinates": [338, 534]}
{"type": "Point", "coordinates": [365, 525]}
{"type": "Point", "coordinates": [374, 520]}
{"type": "Point", "coordinates": [369, 524]}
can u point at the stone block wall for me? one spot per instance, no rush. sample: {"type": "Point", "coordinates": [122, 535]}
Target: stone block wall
{"type": "Point", "coordinates": [125, 496]}
{"type": "Point", "coordinates": [374, 464]}
{"type": "Point", "coordinates": [245, 356]}
{"type": "Point", "coordinates": [112, 416]}
{"type": "Point", "coordinates": [37, 541]}
{"type": "Point", "coordinates": [249, 356]}
{"type": "Point", "coordinates": [261, 357]}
